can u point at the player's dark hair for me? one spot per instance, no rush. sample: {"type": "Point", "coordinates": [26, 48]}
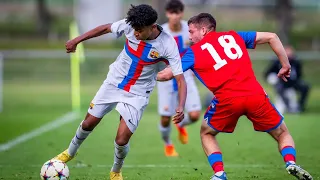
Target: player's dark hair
{"type": "Point", "coordinates": [174, 6]}
{"type": "Point", "coordinates": [203, 20]}
{"type": "Point", "coordinates": [141, 15]}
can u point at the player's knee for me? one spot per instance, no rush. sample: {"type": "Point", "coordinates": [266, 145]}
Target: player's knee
{"type": "Point", "coordinates": [282, 130]}
{"type": "Point", "coordinates": [165, 121]}
{"type": "Point", "coordinates": [205, 130]}
{"type": "Point", "coordinates": [121, 141]}
{"type": "Point", "coordinates": [88, 125]}
{"type": "Point", "coordinates": [194, 116]}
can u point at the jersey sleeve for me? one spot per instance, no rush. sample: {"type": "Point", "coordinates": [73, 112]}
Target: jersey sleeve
{"type": "Point", "coordinates": [120, 27]}
{"type": "Point", "coordinates": [249, 38]}
{"type": "Point", "coordinates": [187, 60]}
{"type": "Point", "coordinates": [173, 56]}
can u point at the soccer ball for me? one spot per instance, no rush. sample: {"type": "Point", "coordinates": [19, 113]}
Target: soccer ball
{"type": "Point", "coordinates": [54, 170]}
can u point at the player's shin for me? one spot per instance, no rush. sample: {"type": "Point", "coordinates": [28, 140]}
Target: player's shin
{"type": "Point", "coordinates": [120, 152]}
{"type": "Point", "coordinates": [211, 148]}
{"type": "Point", "coordinates": [165, 133]}
{"type": "Point", "coordinates": [77, 140]}
{"type": "Point", "coordinates": [285, 143]}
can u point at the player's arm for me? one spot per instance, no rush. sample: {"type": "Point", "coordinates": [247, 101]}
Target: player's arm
{"type": "Point", "coordinates": [118, 28]}
{"type": "Point", "coordinates": [251, 38]}
{"type": "Point", "coordinates": [71, 45]}
{"type": "Point", "coordinates": [187, 63]}
{"type": "Point", "coordinates": [273, 40]}
{"type": "Point", "coordinates": [173, 56]}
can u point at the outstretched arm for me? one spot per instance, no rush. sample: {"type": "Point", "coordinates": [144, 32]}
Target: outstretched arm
{"type": "Point", "coordinates": [187, 63]}
{"type": "Point", "coordinates": [71, 45]}
{"type": "Point", "coordinates": [277, 47]}
{"type": "Point", "coordinates": [182, 92]}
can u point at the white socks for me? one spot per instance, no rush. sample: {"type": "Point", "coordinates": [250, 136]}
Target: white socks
{"type": "Point", "coordinates": [77, 140]}
{"type": "Point", "coordinates": [165, 133]}
{"type": "Point", "coordinates": [120, 152]}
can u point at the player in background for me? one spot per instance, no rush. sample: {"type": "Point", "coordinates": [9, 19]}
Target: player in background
{"type": "Point", "coordinates": [167, 91]}
{"type": "Point", "coordinates": [221, 62]}
{"type": "Point", "coordinates": [130, 80]}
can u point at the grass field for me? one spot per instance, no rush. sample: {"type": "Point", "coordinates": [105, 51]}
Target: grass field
{"type": "Point", "coordinates": [38, 91]}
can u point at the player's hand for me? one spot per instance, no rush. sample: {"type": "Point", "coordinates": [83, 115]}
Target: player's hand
{"type": "Point", "coordinates": [284, 73]}
{"type": "Point", "coordinates": [71, 46]}
{"type": "Point", "coordinates": [179, 116]}
{"type": "Point", "coordinates": [165, 74]}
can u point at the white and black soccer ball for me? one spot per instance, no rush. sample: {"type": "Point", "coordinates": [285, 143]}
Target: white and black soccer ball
{"type": "Point", "coordinates": [54, 170]}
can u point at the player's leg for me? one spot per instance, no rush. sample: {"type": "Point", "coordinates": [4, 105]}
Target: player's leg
{"type": "Point", "coordinates": [83, 131]}
{"type": "Point", "coordinates": [121, 149]}
{"type": "Point", "coordinates": [287, 149]}
{"type": "Point", "coordinates": [212, 150]}
{"type": "Point", "coordinates": [166, 108]}
{"type": "Point", "coordinates": [165, 130]}
{"type": "Point", "coordinates": [129, 121]}
{"type": "Point", "coordinates": [193, 107]}
{"type": "Point", "coordinates": [221, 116]}
{"type": "Point", "coordinates": [266, 118]}
{"type": "Point", "coordinates": [100, 105]}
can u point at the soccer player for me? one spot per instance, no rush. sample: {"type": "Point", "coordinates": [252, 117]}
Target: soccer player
{"type": "Point", "coordinates": [130, 80]}
{"type": "Point", "coordinates": [221, 62]}
{"type": "Point", "coordinates": [167, 91]}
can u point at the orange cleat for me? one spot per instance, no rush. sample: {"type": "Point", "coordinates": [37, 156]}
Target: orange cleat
{"type": "Point", "coordinates": [170, 151]}
{"type": "Point", "coordinates": [183, 134]}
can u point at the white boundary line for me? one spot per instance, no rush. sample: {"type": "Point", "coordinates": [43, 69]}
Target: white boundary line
{"type": "Point", "coordinates": [196, 166]}
{"type": "Point", "coordinates": [67, 118]}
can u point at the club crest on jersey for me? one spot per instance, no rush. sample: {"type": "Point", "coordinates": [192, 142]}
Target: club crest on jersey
{"type": "Point", "coordinates": [91, 105]}
{"type": "Point", "coordinates": [154, 54]}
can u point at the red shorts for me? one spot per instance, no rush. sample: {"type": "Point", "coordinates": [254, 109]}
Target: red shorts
{"type": "Point", "coordinates": [222, 115]}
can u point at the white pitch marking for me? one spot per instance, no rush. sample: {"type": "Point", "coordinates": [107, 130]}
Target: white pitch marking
{"type": "Point", "coordinates": [67, 118]}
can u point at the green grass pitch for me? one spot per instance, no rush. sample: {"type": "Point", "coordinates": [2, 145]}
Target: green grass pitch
{"type": "Point", "coordinates": [38, 92]}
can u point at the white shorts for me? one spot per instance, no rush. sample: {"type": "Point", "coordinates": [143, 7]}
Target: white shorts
{"type": "Point", "coordinates": [129, 106]}
{"type": "Point", "coordinates": [168, 99]}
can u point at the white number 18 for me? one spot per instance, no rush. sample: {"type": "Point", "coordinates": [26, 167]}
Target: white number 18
{"type": "Point", "coordinates": [227, 46]}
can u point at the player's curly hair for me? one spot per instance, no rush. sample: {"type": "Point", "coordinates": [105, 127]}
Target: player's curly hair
{"type": "Point", "coordinates": [204, 20]}
{"type": "Point", "coordinates": [174, 6]}
{"type": "Point", "coordinates": [141, 15]}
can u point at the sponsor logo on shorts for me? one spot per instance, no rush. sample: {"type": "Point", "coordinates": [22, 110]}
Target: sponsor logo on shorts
{"type": "Point", "coordinates": [154, 54]}
{"type": "Point", "coordinates": [91, 105]}
{"type": "Point", "coordinates": [213, 105]}
{"type": "Point", "coordinates": [166, 108]}
{"type": "Point", "coordinates": [206, 119]}
{"type": "Point", "coordinates": [130, 122]}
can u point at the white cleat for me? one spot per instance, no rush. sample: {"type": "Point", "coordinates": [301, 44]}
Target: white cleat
{"type": "Point", "coordinates": [298, 172]}
{"type": "Point", "coordinates": [219, 176]}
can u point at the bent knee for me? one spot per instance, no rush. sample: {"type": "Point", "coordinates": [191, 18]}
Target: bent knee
{"type": "Point", "coordinates": [194, 115]}
{"type": "Point", "coordinates": [165, 121]}
{"type": "Point", "coordinates": [121, 141]}
{"type": "Point", "coordinates": [88, 125]}
{"type": "Point", "coordinates": [207, 130]}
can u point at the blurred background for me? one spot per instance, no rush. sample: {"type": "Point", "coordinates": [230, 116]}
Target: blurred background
{"type": "Point", "coordinates": [35, 82]}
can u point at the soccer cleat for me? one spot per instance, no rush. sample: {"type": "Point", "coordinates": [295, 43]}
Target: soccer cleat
{"type": "Point", "coordinates": [298, 172]}
{"type": "Point", "coordinates": [64, 156]}
{"type": "Point", "coordinates": [183, 134]}
{"type": "Point", "coordinates": [219, 176]}
{"type": "Point", "coordinates": [170, 151]}
{"type": "Point", "coordinates": [116, 176]}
